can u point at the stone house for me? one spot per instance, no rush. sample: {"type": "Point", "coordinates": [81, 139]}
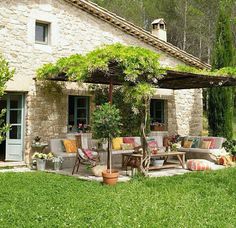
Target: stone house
{"type": "Point", "coordinates": [34, 32]}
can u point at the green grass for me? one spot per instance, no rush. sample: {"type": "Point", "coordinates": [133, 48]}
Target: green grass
{"type": "Point", "coordinates": [203, 199]}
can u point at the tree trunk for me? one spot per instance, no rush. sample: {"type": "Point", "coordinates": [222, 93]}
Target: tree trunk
{"type": "Point", "coordinates": [200, 47]}
{"type": "Point", "coordinates": [185, 24]}
{"type": "Point", "coordinates": [109, 151]}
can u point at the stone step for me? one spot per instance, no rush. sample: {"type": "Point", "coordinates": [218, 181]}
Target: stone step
{"type": "Point", "coordinates": [12, 164]}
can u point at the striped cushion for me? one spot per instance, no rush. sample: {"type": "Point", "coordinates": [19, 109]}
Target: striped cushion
{"type": "Point", "coordinates": [198, 164]}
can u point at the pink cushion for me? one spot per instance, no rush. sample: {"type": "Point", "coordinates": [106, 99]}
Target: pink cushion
{"type": "Point", "coordinates": [129, 140]}
{"type": "Point", "coordinates": [152, 144]}
{"type": "Point", "coordinates": [88, 153]}
{"type": "Point", "coordinates": [198, 165]}
{"type": "Point", "coordinates": [213, 142]}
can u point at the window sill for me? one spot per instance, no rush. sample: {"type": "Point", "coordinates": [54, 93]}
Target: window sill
{"type": "Point", "coordinates": [43, 47]}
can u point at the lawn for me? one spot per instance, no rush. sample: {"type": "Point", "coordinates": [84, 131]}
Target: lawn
{"type": "Point", "coordinates": [203, 199]}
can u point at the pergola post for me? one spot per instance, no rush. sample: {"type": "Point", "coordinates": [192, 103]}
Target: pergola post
{"type": "Point", "coordinates": [109, 148]}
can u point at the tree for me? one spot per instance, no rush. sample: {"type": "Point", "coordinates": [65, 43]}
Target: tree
{"type": "Point", "coordinates": [5, 75]}
{"type": "Point", "coordinates": [220, 100]}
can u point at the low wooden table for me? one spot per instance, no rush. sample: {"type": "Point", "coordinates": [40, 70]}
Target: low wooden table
{"type": "Point", "coordinates": [179, 155]}
{"type": "Point", "coordinates": [165, 155]}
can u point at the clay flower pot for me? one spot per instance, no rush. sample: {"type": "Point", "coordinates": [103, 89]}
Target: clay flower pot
{"type": "Point", "coordinates": [110, 178]}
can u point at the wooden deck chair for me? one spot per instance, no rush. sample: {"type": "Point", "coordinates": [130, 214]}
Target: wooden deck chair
{"type": "Point", "coordinates": [85, 157]}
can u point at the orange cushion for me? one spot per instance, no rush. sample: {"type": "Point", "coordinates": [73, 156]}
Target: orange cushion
{"type": "Point", "coordinates": [70, 145]}
{"type": "Point", "coordinates": [187, 144]}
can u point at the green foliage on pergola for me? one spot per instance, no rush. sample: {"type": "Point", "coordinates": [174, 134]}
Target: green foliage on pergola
{"type": "Point", "coordinates": [130, 61]}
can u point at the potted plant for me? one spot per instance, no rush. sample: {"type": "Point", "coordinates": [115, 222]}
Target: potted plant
{"type": "Point", "coordinates": [230, 147]}
{"type": "Point", "coordinates": [106, 124]}
{"type": "Point", "coordinates": [40, 160]}
{"type": "Point", "coordinates": [57, 161]}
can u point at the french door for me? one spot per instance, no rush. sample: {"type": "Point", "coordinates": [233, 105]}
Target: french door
{"type": "Point", "coordinates": [15, 117]}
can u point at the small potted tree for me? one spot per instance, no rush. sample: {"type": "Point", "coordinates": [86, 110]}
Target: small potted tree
{"type": "Point", "coordinates": [106, 124]}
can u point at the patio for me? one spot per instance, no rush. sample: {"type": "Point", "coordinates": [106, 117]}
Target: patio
{"type": "Point", "coordinates": [137, 78]}
{"type": "Point", "coordinates": [125, 176]}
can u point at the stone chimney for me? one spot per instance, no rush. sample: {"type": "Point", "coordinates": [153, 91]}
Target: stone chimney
{"type": "Point", "coordinates": [159, 29]}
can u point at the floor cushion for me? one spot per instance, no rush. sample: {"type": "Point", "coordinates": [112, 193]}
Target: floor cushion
{"type": "Point", "coordinates": [198, 165]}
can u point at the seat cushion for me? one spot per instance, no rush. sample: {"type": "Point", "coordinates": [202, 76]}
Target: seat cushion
{"type": "Point", "coordinates": [182, 149]}
{"type": "Point", "coordinates": [65, 155]}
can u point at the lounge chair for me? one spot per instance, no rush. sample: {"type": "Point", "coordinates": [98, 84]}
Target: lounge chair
{"type": "Point", "coordinates": [85, 157]}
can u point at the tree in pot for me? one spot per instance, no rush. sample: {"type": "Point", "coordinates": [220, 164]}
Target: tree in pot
{"type": "Point", "coordinates": [106, 124]}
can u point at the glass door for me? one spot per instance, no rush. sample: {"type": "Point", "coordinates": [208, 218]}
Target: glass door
{"type": "Point", "coordinates": [15, 117]}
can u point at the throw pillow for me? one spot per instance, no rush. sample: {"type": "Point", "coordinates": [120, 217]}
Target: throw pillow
{"type": "Point", "coordinates": [127, 146]}
{"type": "Point", "coordinates": [152, 145]}
{"type": "Point", "coordinates": [188, 143]}
{"type": "Point", "coordinates": [166, 141]}
{"type": "Point", "coordinates": [159, 140]}
{"type": "Point", "coordinates": [70, 145]}
{"type": "Point", "coordinates": [213, 142]}
{"type": "Point", "coordinates": [88, 153]}
{"type": "Point", "coordinates": [116, 143]}
{"type": "Point", "coordinates": [205, 144]}
{"type": "Point", "coordinates": [129, 140]}
{"type": "Point", "coordinates": [195, 143]}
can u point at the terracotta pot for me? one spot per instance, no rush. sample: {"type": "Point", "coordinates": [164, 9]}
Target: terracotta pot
{"type": "Point", "coordinates": [110, 178]}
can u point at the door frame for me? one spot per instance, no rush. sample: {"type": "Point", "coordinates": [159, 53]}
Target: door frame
{"type": "Point", "coordinates": [23, 111]}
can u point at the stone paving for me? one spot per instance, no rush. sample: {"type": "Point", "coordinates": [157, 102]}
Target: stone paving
{"type": "Point", "coordinates": [15, 170]}
{"type": "Point", "coordinates": [85, 174]}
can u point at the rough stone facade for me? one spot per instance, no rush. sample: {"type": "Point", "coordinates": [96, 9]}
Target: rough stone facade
{"type": "Point", "coordinates": [71, 31]}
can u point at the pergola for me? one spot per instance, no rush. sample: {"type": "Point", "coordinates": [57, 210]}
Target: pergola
{"type": "Point", "coordinates": [170, 80]}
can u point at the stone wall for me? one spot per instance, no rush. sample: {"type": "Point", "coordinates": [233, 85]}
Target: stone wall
{"type": "Point", "coordinates": [71, 31]}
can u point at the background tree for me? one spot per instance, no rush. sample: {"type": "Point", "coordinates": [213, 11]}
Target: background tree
{"type": "Point", "coordinates": [5, 75]}
{"type": "Point", "coordinates": [220, 100]}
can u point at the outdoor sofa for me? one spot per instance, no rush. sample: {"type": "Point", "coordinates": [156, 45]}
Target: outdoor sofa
{"type": "Point", "coordinates": [57, 148]}
{"type": "Point", "coordinates": [201, 147]}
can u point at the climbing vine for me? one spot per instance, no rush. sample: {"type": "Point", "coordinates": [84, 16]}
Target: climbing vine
{"type": "Point", "coordinates": [5, 75]}
{"type": "Point", "coordinates": [134, 61]}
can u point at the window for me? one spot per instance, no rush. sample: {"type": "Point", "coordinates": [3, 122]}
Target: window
{"type": "Point", "coordinates": [157, 111]}
{"type": "Point", "coordinates": [78, 112]}
{"type": "Point", "coordinates": [42, 33]}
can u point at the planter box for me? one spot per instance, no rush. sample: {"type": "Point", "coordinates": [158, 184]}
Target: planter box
{"type": "Point", "coordinates": [157, 128]}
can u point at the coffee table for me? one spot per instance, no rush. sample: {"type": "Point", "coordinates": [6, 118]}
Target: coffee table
{"type": "Point", "coordinates": [139, 158]}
